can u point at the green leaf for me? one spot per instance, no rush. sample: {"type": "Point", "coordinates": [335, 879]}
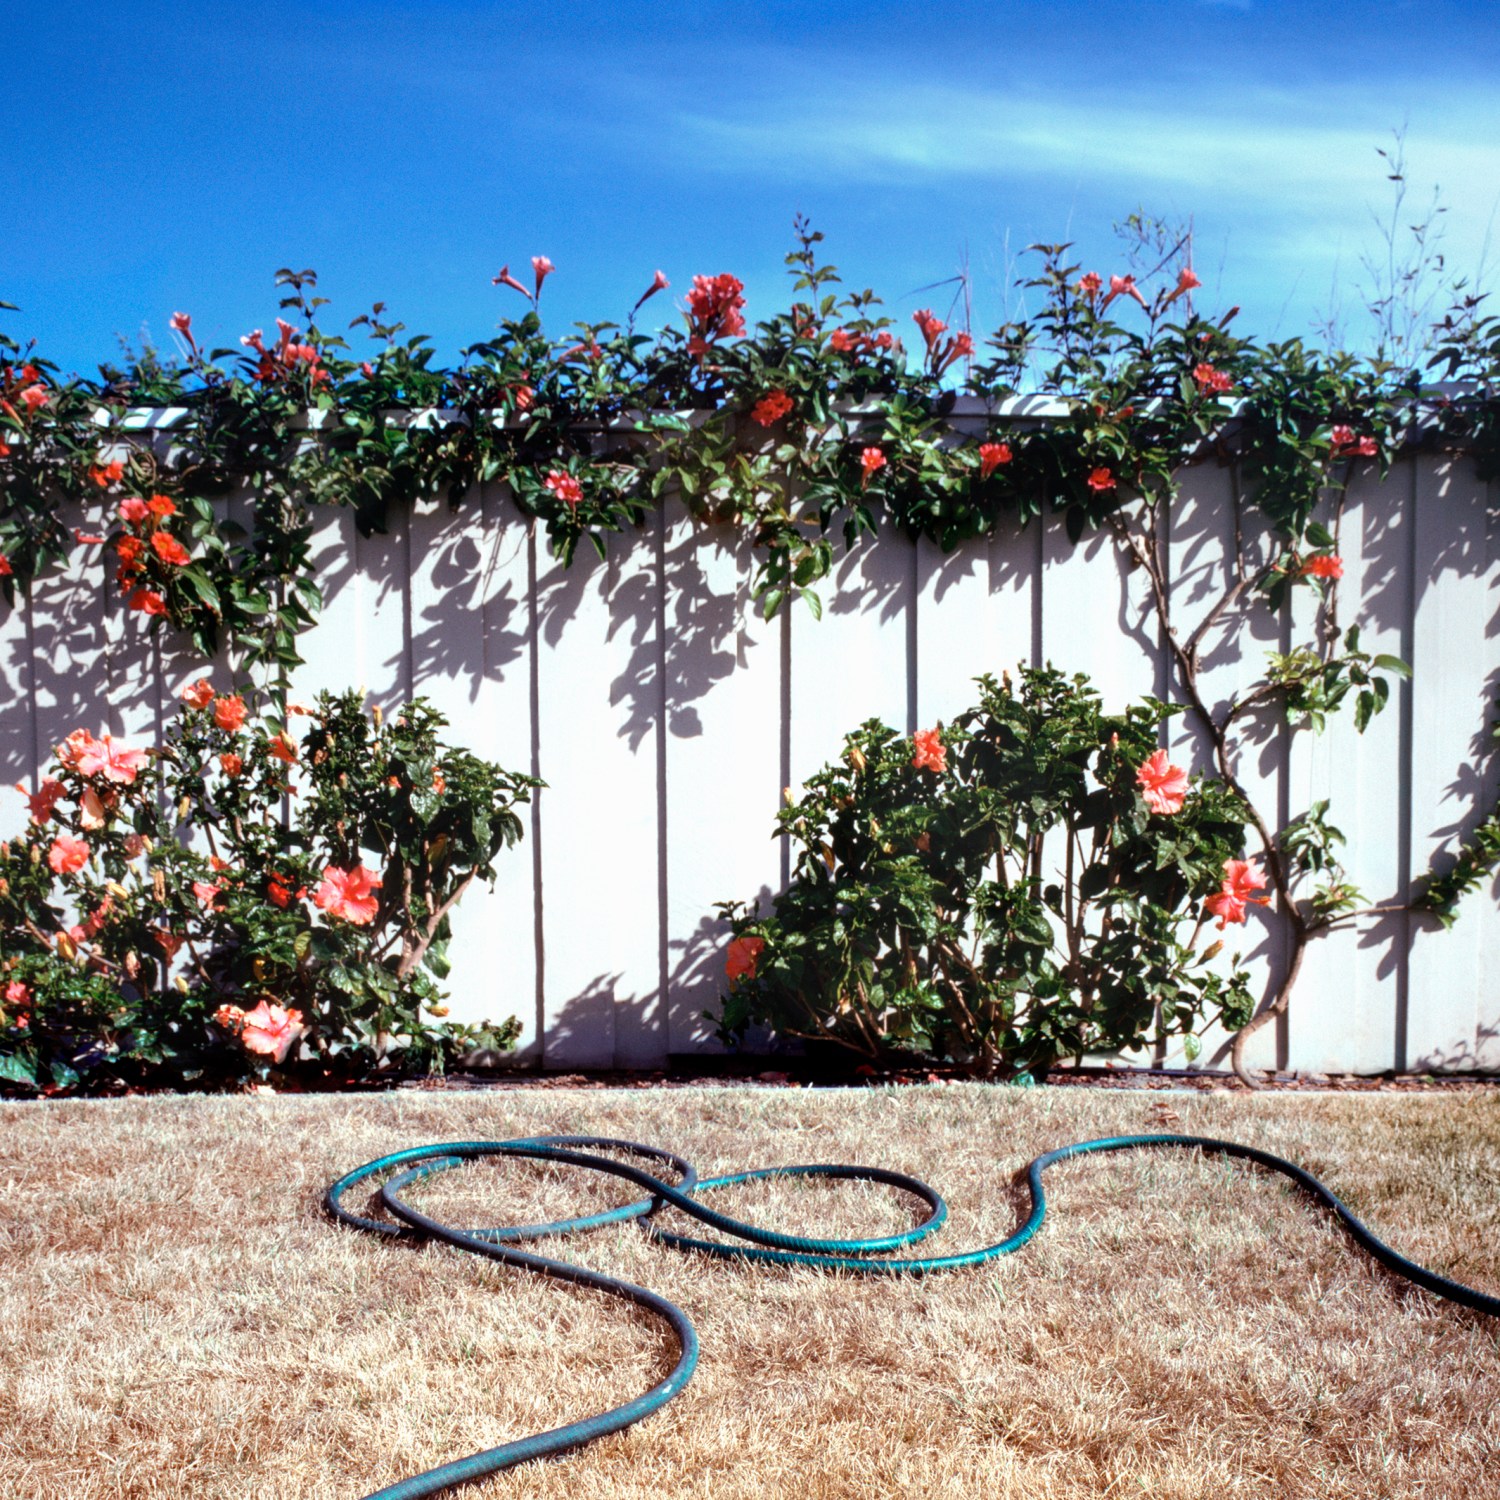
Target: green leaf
{"type": "Point", "coordinates": [198, 581]}
{"type": "Point", "coordinates": [15, 1066]}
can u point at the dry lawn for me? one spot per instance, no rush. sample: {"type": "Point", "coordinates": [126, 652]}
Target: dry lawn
{"type": "Point", "coordinates": [178, 1319]}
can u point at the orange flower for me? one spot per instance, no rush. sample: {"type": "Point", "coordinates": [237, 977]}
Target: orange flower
{"type": "Point", "coordinates": [105, 475]}
{"type": "Point", "coordinates": [543, 268]}
{"type": "Point", "coordinates": [169, 549]}
{"type": "Point", "coordinates": [34, 396]}
{"type": "Point", "coordinates": [148, 601]}
{"type": "Point", "coordinates": [283, 749]}
{"type": "Point", "coordinates": [1347, 445]}
{"type": "Point", "coordinates": [99, 757]}
{"type": "Point", "coordinates": [43, 801]}
{"type": "Point", "coordinates": [659, 283]}
{"type": "Point", "coordinates": [132, 511]}
{"type": "Point", "coordinates": [991, 456]}
{"type": "Point", "coordinates": [872, 461]}
{"type": "Point", "coordinates": [1101, 480]}
{"type": "Point", "coordinates": [68, 855]}
{"type": "Point", "coordinates": [198, 694]}
{"type": "Point", "coordinates": [439, 782]}
{"type": "Point", "coordinates": [1186, 281]}
{"type": "Point", "coordinates": [1122, 286]}
{"type": "Point", "coordinates": [564, 486]}
{"type": "Point", "coordinates": [1210, 379]}
{"type": "Point", "coordinates": [92, 810]}
{"type": "Point", "coordinates": [231, 763]}
{"type": "Point", "coordinates": [771, 407]}
{"type": "Point", "coordinates": [270, 1030]}
{"type": "Point", "coordinates": [929, 753]}
{"type": "Point", "coordinates": [230, 1017]}
{"type": "Point", "coordinates": [348, 894]}
{"type": "Point", "coordinates": [229, 712]}
{"type": "Point", "coordinates": [207, 894]}
{"type": "Point", "coordinates": [1089, 284]}
{"type": "Point", "coordinates": [744, 953]}
{"type": "Point", "coordinates": [161, 506]}
{"type": "Point", "coordinates": [168, 942]}
{"type": "Point", "coordinates": [1324, 565]}
{"type": "Point", "coordinates": [1241, 880]}
{"type": "Point", "coordinates": [1163, 786]}
{"type": "Point", "coordinates": [506, 279]}
{"type": "Point", "coordinates": [279, 893]}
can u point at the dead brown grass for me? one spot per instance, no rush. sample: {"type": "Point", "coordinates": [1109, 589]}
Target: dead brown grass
{"type": "Point", "coordinates": [178, 1319]}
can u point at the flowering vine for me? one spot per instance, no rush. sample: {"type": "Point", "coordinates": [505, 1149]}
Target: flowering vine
{"type": "Point", "coordinates": [811, 425]}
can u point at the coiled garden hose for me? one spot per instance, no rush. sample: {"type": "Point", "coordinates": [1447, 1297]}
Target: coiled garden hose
{"type": "Point", "coordinates": [758, 1245]}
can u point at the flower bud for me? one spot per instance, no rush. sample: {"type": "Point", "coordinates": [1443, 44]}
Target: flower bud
{"type": "Point", "coordinates": [66, 947]}
{"type": "Point", "coordinates": [857, 758]}
{"type": "Point", "coordinates": [1213, 950]}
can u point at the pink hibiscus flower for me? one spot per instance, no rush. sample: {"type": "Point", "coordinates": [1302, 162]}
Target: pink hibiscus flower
{"type": "Point", "coordinates": [929, 753]}
{"type": "Point", "coordinates": [1163, 786]}
{"type": "Point", "coordinates": [744, 953]}
{"type": "Point", "coordinates": [270, 1030]}
{"type": "Point", "coordinates": [349, 894]}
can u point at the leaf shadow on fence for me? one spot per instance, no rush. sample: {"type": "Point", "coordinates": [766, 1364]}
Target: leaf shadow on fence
{"type": "Point", "coordinates": [469, 608]}
{"type": "Point", "coordinates": [583, 1031]}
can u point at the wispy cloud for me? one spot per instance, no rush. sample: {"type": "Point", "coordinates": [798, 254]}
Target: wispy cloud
{"type": "Point", "coordinates": [1263, 142]}
{"type": "Point", "coordinates": [1303, 161]}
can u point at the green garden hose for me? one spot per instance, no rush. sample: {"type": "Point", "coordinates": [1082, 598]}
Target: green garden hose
{"type": "Point", "coordinates": [759, 1244]}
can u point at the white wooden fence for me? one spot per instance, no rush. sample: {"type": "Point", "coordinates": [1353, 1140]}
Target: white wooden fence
{"type": "Point", "coordinates": [666, 717]}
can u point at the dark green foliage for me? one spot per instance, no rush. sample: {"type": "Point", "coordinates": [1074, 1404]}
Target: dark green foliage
{"type": "Point", "coordinates": [1020, 905]}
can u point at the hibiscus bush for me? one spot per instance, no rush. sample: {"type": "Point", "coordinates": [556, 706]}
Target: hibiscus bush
{"type": "Point", "coordinates": [1030, 882]}
{"type": "Point", "coordinates": [164, 919]}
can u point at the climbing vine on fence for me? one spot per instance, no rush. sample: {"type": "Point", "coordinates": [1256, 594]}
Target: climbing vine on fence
{"type": "Point", "coordinates": [814, 426]}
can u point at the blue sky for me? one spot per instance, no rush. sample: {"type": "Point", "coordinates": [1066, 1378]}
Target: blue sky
{"type": "Point", "coordinates": [175, 154]}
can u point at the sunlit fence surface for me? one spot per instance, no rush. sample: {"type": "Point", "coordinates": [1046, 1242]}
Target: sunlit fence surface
{"type": "Point", "coordinates": [666, 718]}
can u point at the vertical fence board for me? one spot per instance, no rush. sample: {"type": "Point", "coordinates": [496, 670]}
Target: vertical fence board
{"type": "Point", "coordinates": [857, 662]}
{"type": "Point", "coordinates": [472, 566]}
{"type": "Point", "coordinates": [1343, 1010]}
{"type": "Point", "coordinates": [1450, 709]}
{"type": "Point", "coordinates": [20, 762]}
{"type": "Point", "coordinates": [973, 615]}
{"type": "Point", "coordinates": [722, 762]}
{"type": "Point", "coordinates": [334, 652]}
{"type": "Point", "coordinates": [1485, 908]}
{"type": "Point", "coordinates": [599, 692]}
{"type": "Point", "coordinates": [70, 674]}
